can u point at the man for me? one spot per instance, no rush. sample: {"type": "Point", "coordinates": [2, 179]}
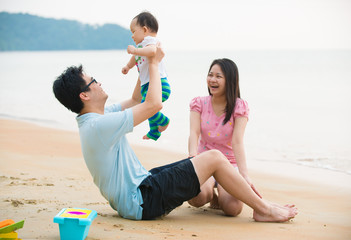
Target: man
{"type": "Point", "coordinates": [131, 190]}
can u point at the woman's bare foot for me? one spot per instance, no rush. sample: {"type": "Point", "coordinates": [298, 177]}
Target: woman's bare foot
{"type": "Point", "coordinates": [163, 128]}
{"type": "Point", "coordinates": [277, 213]}
{"type": "Point", "coordinates": [214, 202]}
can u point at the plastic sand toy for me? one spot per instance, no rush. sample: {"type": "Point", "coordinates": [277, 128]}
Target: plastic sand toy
{"type": "Point", "coordinates": [74, 223]}
{"type": "Point", "coordinates": [8, 228]}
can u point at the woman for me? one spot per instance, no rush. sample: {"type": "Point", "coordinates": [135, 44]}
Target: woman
{"type": "Point", "coordinates": [219, 120]}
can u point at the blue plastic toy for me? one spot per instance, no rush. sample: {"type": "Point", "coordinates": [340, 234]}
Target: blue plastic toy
{"type": "Point", "coordinates": [74, 223]}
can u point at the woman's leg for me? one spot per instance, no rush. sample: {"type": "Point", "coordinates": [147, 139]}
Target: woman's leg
{"type": "Point", "coordinates": [214, 163]}
{"type": "Point", "coordinates": [229, 204]}
{"type": "Point", "coordinates": [206, 194]}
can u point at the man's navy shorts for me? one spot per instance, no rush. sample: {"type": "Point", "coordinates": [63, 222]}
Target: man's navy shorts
{"type": "Point", "coordinates": [168, 187]}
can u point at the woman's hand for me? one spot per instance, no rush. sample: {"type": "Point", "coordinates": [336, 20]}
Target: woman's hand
{"type": "Point", "coordinates": [248, 180]}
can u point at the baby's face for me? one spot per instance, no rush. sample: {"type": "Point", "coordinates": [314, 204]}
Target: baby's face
{"type": "Point", "coordinates": [137, 31]}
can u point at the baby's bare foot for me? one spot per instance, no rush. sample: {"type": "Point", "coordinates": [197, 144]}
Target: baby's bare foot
{"type": "Point", "coordinates": [146, 137]}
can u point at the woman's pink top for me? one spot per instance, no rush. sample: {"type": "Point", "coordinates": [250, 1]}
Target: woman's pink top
{"type": "Point", "coordinates": [215, 135]}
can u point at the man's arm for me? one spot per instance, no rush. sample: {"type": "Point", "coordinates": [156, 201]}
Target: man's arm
{"type": "Point", "coordinates": [136, 97]}
{"type": "Point", "coordinates": [153, 100]}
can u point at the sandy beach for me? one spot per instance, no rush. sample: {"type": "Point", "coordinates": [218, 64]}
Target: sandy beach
{"type": "Point", "coordinates": [42, 171]}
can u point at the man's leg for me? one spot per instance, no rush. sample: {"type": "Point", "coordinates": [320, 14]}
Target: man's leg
{"type": "Point", "coordinates": [206, 194]}
{"type": "Point", "coordinates": [168, 187]}
{"type": "Point", "coordinates": [170, 165]}
{"type": "Point", "coordinates": [214, 163]}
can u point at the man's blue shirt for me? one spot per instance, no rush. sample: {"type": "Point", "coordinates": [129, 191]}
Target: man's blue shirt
{"type": "Point", "coordinates": [111, 161]}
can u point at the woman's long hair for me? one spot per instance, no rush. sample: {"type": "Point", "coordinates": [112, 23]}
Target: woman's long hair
{"type": "Point", "coordinates": [232, 90]}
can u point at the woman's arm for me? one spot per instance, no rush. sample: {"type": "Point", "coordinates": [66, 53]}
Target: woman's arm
{"type": "Point", "coordinates": [239, 150]}
{"type": "Point", "coordinates": [193, 141]}
{"type": "Point", "coordinates": [238, 144]}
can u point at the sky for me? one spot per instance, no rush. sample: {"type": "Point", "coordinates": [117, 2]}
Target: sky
{"type": "Point", "coordinates": [215, 25]}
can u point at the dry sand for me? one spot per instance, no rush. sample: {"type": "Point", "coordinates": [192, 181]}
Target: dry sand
{"type": "Point", "coordinates": [42, 171]}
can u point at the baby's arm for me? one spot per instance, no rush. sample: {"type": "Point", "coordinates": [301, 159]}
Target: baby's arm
{"type": "Point", "coordinates": [129, 65]}
{"type": "Point", "coordinates": [147, 51]}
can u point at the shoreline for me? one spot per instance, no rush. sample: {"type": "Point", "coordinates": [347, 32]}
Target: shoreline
{"type": "Point", "coordinates": [42, 171]}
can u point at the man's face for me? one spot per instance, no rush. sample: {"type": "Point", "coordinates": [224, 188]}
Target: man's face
{"type": "Point", "coordinates": [96, 91]}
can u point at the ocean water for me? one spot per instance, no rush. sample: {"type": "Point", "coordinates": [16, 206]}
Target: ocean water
{"type": "Point", "coordinates": [300, 101]}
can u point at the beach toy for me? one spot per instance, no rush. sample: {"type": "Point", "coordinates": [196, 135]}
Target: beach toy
{"type": "Point", "coordinates": [6, 223]}
{"type": "Point", "coordinates": [8, 228]}
{"type": "Point", "coordinates": [74, 223]}
{"type": "Point", "coordinates": [10, 235]}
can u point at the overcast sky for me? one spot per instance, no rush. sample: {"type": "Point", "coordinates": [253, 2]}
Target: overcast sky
{"type": "Point", "coordinates": [216, 24]}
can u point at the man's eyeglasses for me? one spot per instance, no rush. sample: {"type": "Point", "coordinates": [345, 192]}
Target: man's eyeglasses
{"type": "Point", "coordinates": [87, 86]}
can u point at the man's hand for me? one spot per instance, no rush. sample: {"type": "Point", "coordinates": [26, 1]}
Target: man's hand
{"type": "Point", "coordinates": [159, 54]}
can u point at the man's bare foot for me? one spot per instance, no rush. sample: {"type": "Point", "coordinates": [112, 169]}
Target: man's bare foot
{"type": "Point", "coordinates": [277, 213]}
{"type": "Point", "coordinates": [163, 128]}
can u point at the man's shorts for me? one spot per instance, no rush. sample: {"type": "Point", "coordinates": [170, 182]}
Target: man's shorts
{"type": "Point", "coordinates": [168, 187]}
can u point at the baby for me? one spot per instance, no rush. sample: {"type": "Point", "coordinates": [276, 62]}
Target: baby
{"type": "Point", "coordinates": [144, 28]}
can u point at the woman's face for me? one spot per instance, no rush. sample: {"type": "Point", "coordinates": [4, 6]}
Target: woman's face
{"type": "Point", "coordinates": [216, 81]}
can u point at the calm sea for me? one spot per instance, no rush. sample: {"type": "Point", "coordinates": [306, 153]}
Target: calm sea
{"type": "Point", "coordinates": [300, 101]}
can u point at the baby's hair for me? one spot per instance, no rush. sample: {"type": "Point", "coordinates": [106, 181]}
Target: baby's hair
{"type": "Point", "coordinates": [146, 19]}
